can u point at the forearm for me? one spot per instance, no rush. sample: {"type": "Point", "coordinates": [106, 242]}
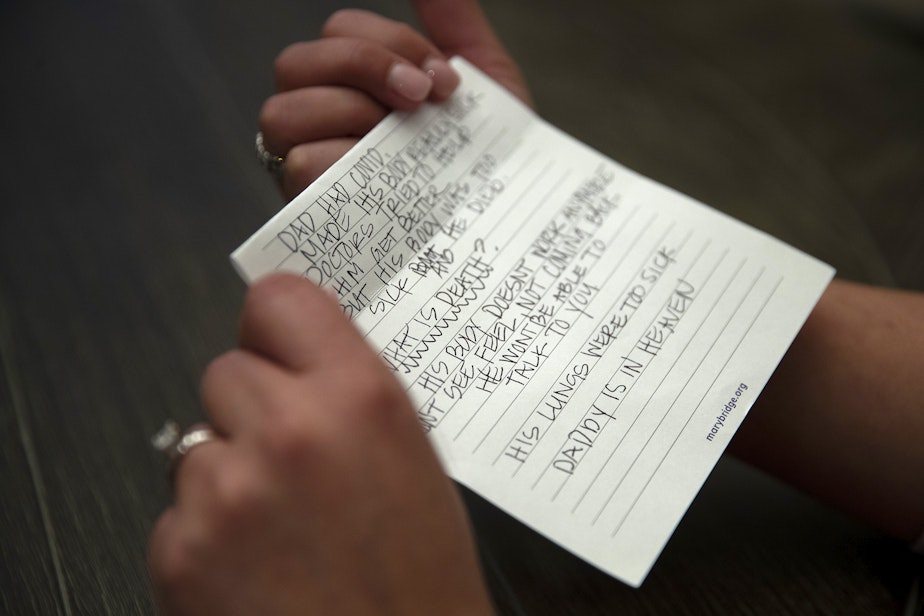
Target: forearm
{"type": "Point", "coordinates": [843, 416]}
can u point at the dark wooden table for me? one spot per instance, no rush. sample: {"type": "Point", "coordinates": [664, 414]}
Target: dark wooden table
{"type": "Point", "coordinates": [128, 176]}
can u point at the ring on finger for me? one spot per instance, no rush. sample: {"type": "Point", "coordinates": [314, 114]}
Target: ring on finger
{"type": "Point", "coordinates": [273, 163]}
{"type": "Point", "coordinates": [174, 443]}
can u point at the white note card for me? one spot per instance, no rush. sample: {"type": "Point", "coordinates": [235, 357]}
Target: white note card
{"type": "Point", "coordinates": [581, 342]}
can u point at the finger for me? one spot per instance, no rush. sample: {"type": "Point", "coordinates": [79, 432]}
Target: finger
{"type": "Point", "coordinates": [306, 162]}
{"type": "Point", "coordinates": [311, 114]}
{"type": "Point", "coordinates": [195, 469]}
{"type": "Point", "coordinates": [399, 38]}
{"type": "Point", "coordinates": [296, 324]}
{"type": "Point", "coordinates": [235, 386]}
{"type": "Point", "coordinates": [175, 545]}
{"type": "Point", "coordinates": [395, 81]}
{"type": "Point", "coordinates": [459, 27]}
{"type": "Point", "coordinates": [165, 556]}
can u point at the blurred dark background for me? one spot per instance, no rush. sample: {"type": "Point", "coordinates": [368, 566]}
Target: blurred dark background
{"type": "Point", "coordinates": [127, 175]}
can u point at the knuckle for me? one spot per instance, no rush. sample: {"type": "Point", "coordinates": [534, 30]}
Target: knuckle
{"type": "Point", "coordinates": [404, 34]}
{"type": "Point", "coordinates": [175, 570]}
{"type": "Point", "coordinates": [218, 371]}
{"type": "Point", "coordinates": [305, 162]}
{"type": "Point", "coordinates": [376, 394]}
{"type": "Point", "coordinates": [339, 22]}
{"type": "Point", "coordinates": [287, 63]}
{"type": "Point", "coordinates": [301, 163]}
{"type": "Point", "coordinates": [267, 291]}
{"type": "Point", "coordinates": [240, 501]}
{"type": "Point", "coordinates": [195, 472]}
{"type": "Point", "coordinates": [300, 172]}
{"type": "Point", "coordinates": [291, 442]}
{"type": "Point", "coordinates": [171, 562]}
{"type": "Point", "coordinates": [274, 117]}
{"type": "Point", "coordinates": [360, 55]}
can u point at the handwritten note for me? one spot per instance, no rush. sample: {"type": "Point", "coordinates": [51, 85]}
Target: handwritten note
{"type": "Point", "coordinates": [581, 342]}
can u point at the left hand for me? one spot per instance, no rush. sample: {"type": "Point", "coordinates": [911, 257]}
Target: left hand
{"type": "Point", "coordinates": [323, 494]}
{"type": "Point", "coordinates": [333, 90]}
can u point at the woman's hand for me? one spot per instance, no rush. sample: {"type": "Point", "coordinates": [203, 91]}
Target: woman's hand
{"type": "Point", "coordinates": [322, 494]}
{"type": "Point", "coordinates": [332, 91]}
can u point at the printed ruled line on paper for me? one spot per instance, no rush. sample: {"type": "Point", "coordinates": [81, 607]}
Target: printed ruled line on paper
{"type": "Point", "coordinates": [677, 360]}
{"type": "Point", "coordinates": [722, 370]}
{"type": "Point", "coordinates": [628, 251]}
{"type": "Point", "coordinates": [702, 286]}
{"type": "Point", "coordinates": [731, 317]}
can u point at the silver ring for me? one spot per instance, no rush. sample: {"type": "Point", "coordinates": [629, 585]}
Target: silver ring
{"type": "Point", "coordinates": [174, 444]}
{"type": "Point", "coordinates": [276, 165]}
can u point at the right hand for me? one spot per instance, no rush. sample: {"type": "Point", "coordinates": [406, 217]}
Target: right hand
{"type": "Point", "coordinates": [332, 91]}
{"type": "Point", "coordinates": [320, 493]}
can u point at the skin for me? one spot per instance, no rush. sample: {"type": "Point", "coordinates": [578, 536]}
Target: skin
{"type": "Point", "coordinates": [842, 418]}
{"type": "Point", "coordinates": [333, 90]}
{"type": "Point", "coordinates": [322, 494]}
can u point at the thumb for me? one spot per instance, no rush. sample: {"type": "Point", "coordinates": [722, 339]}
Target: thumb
{"type": "Point", "coordinates": [459, 27]}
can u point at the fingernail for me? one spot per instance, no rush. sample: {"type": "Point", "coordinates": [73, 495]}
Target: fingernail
{"type": "Point", "coordinates": [409, 81]}
{"type": "Point", "coordinates": [445, 78]}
